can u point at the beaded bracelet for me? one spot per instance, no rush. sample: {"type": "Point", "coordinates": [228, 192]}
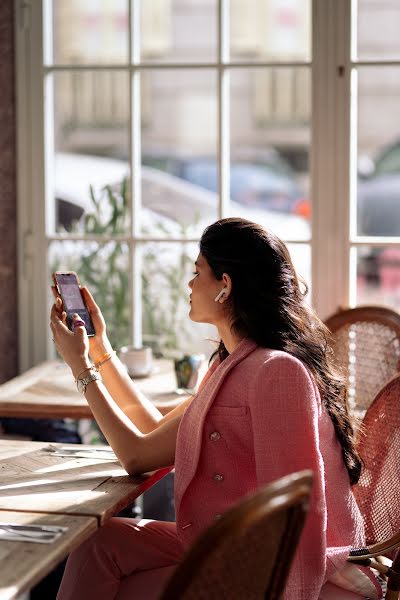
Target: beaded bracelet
{"type": "Point", "coordinates": [103, 359]}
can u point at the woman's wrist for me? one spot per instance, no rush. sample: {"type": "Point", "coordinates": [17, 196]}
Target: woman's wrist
{"type": "Point", "coordinates": [100, 350]}
{"type": "Point", "coordinates": [80, 367]}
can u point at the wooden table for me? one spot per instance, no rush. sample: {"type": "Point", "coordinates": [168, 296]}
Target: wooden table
{"type": "Point", "coordinates": [37, 486]}
{"type": "Point", "coordinates": [35, 480]}
{"type": "Point", "coordinates": [48, 391]}
{"type": "Point", "coordinates": [24, 564]}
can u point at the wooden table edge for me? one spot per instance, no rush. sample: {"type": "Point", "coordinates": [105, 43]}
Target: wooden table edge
{"type": "Point", "coordinates": [61, 551]}
{"type": "Point", "coordinates": [37, 411]}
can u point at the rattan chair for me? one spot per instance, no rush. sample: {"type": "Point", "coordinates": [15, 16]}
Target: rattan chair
{"type": "Point", "coordinates": [248, 551]}
{"type": "Point", "coordinates": [378, 490]}
{"type": "Point", "coordinates": [366, 343]}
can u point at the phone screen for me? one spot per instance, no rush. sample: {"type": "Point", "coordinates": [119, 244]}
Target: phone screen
{"type": "Point", "coordinates": [71, 296]}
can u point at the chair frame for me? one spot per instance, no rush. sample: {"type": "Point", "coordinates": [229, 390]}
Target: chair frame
{"type": "Point", "coordinates": [289, 493]}
{"type": "Point", "coordinates": [371, 555]}
{"type": "Point", "coordinates": [383, 316]}
{"type": "Point", "coordinates": [368, 313]}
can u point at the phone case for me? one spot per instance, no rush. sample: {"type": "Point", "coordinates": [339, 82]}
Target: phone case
{"type": "Point", "coordinates": [84, 314]}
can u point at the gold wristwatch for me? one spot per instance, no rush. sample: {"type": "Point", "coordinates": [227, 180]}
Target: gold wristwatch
{"type": "Point", "coordinates": [83, 382]}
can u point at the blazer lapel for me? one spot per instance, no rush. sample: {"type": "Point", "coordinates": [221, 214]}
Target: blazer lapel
{"type": "Point", "coordinates": [191, 427]}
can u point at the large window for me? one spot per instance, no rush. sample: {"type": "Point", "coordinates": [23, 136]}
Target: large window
{"type": "Point", "coordinates": [376, 218]}
{"type": "Point", "coordinates": [140, 122]}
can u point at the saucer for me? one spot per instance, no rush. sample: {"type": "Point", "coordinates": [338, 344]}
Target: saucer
{"type": "Point", "coordinates": [152, 371]}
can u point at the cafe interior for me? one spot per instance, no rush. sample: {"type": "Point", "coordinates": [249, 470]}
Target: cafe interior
{"type": "Point", "coordinates": [127, 128]}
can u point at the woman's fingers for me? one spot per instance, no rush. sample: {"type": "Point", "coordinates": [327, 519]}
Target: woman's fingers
{"type": "Point", "coordinates": [78, 326]}
{"type": "Point", "coordinates": [95, 312]}
{"type": "Point", "coordinates": [57, 319]}
{"type": "Point", "coordinates": [57, 300]}
{"type": "Point", "coordinates": [54, 314]}
{"type": "Point", "coordinates": [90, 302]}
{"type": "Point", "coordinates": [77, 322]}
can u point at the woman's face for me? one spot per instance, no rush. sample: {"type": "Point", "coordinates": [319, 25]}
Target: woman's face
{"type": "Point", "coordinates": [204, 288]}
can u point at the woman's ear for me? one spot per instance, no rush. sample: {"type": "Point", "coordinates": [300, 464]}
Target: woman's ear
{"type": "Point", "coordinates": [227, 281]}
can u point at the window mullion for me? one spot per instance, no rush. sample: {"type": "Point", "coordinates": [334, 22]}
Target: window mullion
{"type": "Point", "coordinates": [32, 244]}
{"type": "Point", "coordinates": [135, 200]}
{"type": "Point", "coordinates": [330, 154]}
{"type": "Point", "coordinates": [223, 108]}
{"type": "Point", "coordinates": [343, 152]}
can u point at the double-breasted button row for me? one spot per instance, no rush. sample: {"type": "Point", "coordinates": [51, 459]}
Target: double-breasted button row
{"type": "Point", "coordinates": [215, 436]}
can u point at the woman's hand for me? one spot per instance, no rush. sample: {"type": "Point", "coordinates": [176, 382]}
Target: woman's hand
{"type": "Point", "coordinates": [98, 344]}
{"type": "Point", "coordinates": [72, 346]}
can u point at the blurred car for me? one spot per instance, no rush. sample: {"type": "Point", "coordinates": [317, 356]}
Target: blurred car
{"type": "Point", "coordinates": [378, 201]}
{"type": "Point", "coordinates": [267, 183]}
{"type": "Point", "coordinates": [180, 203]}
{"type": "Point", "coordinates": [378, 214]}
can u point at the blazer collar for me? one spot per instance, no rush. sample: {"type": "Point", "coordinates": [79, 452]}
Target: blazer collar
{"type": "Point", "coordinates": [191, 427]}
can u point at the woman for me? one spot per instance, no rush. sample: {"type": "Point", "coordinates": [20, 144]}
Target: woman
{"type": "Point", "coordinates": [269, 405]}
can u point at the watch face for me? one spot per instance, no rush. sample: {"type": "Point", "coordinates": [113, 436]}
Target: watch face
{"type": "Point", "coordinates": [83, 382]}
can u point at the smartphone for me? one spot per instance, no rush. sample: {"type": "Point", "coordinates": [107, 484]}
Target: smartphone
{"type": "Point", "coordinates": [69, 289]}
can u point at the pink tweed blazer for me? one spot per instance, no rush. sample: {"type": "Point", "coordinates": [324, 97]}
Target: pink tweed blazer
{"type": "Point", "coordinates": [257, 417]}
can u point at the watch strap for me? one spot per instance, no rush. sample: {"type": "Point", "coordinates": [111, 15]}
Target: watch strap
{"type": "Point", "coordinates": [83, 382]}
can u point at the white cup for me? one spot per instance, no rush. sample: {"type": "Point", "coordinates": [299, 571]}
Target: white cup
{"type": "Point", "coordinates": [138, 361]}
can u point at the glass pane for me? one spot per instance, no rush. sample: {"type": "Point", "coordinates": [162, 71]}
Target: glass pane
{"type": "Point", "coordinates": [178, 30]}
{"type": "Point", "coordinates": [378, 26]}
{"type": "Point", "coordinates": [301, 257]}
{"type": "Point", "coordinates": [166, 323]}
{"type": "Point", "coordinates": [378, 275]}
{"type": "Point", "coordinates": [104, 270]}
{"type": "Point", "coordinates": [91, 149]}
{"type": "Point", "coordinates": [276, 30]}
{"type": "Point", "coordinates": [90, 32]}
{"type": "Point", "coordinates": [378, 198]}
{"type": "Point", "coordinates": [179, 135]}
{"type": "Point", "coordinates": [270, 138]}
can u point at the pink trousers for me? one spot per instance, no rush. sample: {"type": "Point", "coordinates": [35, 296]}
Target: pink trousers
{"type": "Point", "coordinates": [125, 559]}
{"type": "Point", "coordinates": [130, 559]}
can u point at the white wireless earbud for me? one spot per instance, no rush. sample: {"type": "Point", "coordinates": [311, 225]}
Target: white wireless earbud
{"type": "Point", "coordinates": [222, 293]}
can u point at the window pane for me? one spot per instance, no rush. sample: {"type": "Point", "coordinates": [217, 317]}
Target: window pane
{"type": "Point", "coordinates": [104, 270]}
{"type": "Point", "coordinates": [276, 30]}
{"type": "Point", "coordinates": [166, 270]}
{"type": "Point", "coordinates": [378, 209]}
{"type": "Point", "coordinates": [270, 137]}
{"type": "Point", "coordinates": [179, 137]}
{"type": "Point", "coordinates": [378, 275]}
{"type": "Point", "coordinates": [178, 30]}
{"type": "Point", "coordinates": [90, 32]}
{"type": "Point", "coordinates": [301, 257]}
{"type": "Point", "coordinates": [91, 149]}
{"type": "Point", "coordinates": [378, 29]}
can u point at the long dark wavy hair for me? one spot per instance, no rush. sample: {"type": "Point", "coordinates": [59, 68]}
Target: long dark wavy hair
{"type": "Point", "coordinates": [268, 305]}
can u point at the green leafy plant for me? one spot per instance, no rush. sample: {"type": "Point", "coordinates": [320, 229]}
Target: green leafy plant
{"type": "Point", "coordinates": [104, 269]}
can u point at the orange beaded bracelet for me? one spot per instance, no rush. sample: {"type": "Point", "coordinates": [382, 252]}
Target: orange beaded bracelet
{"type": "Point", "coordinates": [104, 359]}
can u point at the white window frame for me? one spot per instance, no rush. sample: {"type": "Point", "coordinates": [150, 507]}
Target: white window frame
{"type": "Point", "coordinates": [330, 160]}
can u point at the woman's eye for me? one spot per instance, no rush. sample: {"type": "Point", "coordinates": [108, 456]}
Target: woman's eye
{"type": "Point", "coordinates": [195, 272]}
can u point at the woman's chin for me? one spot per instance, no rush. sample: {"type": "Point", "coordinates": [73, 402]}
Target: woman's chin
{"type": "Point", "coordinates": [194, 317]}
